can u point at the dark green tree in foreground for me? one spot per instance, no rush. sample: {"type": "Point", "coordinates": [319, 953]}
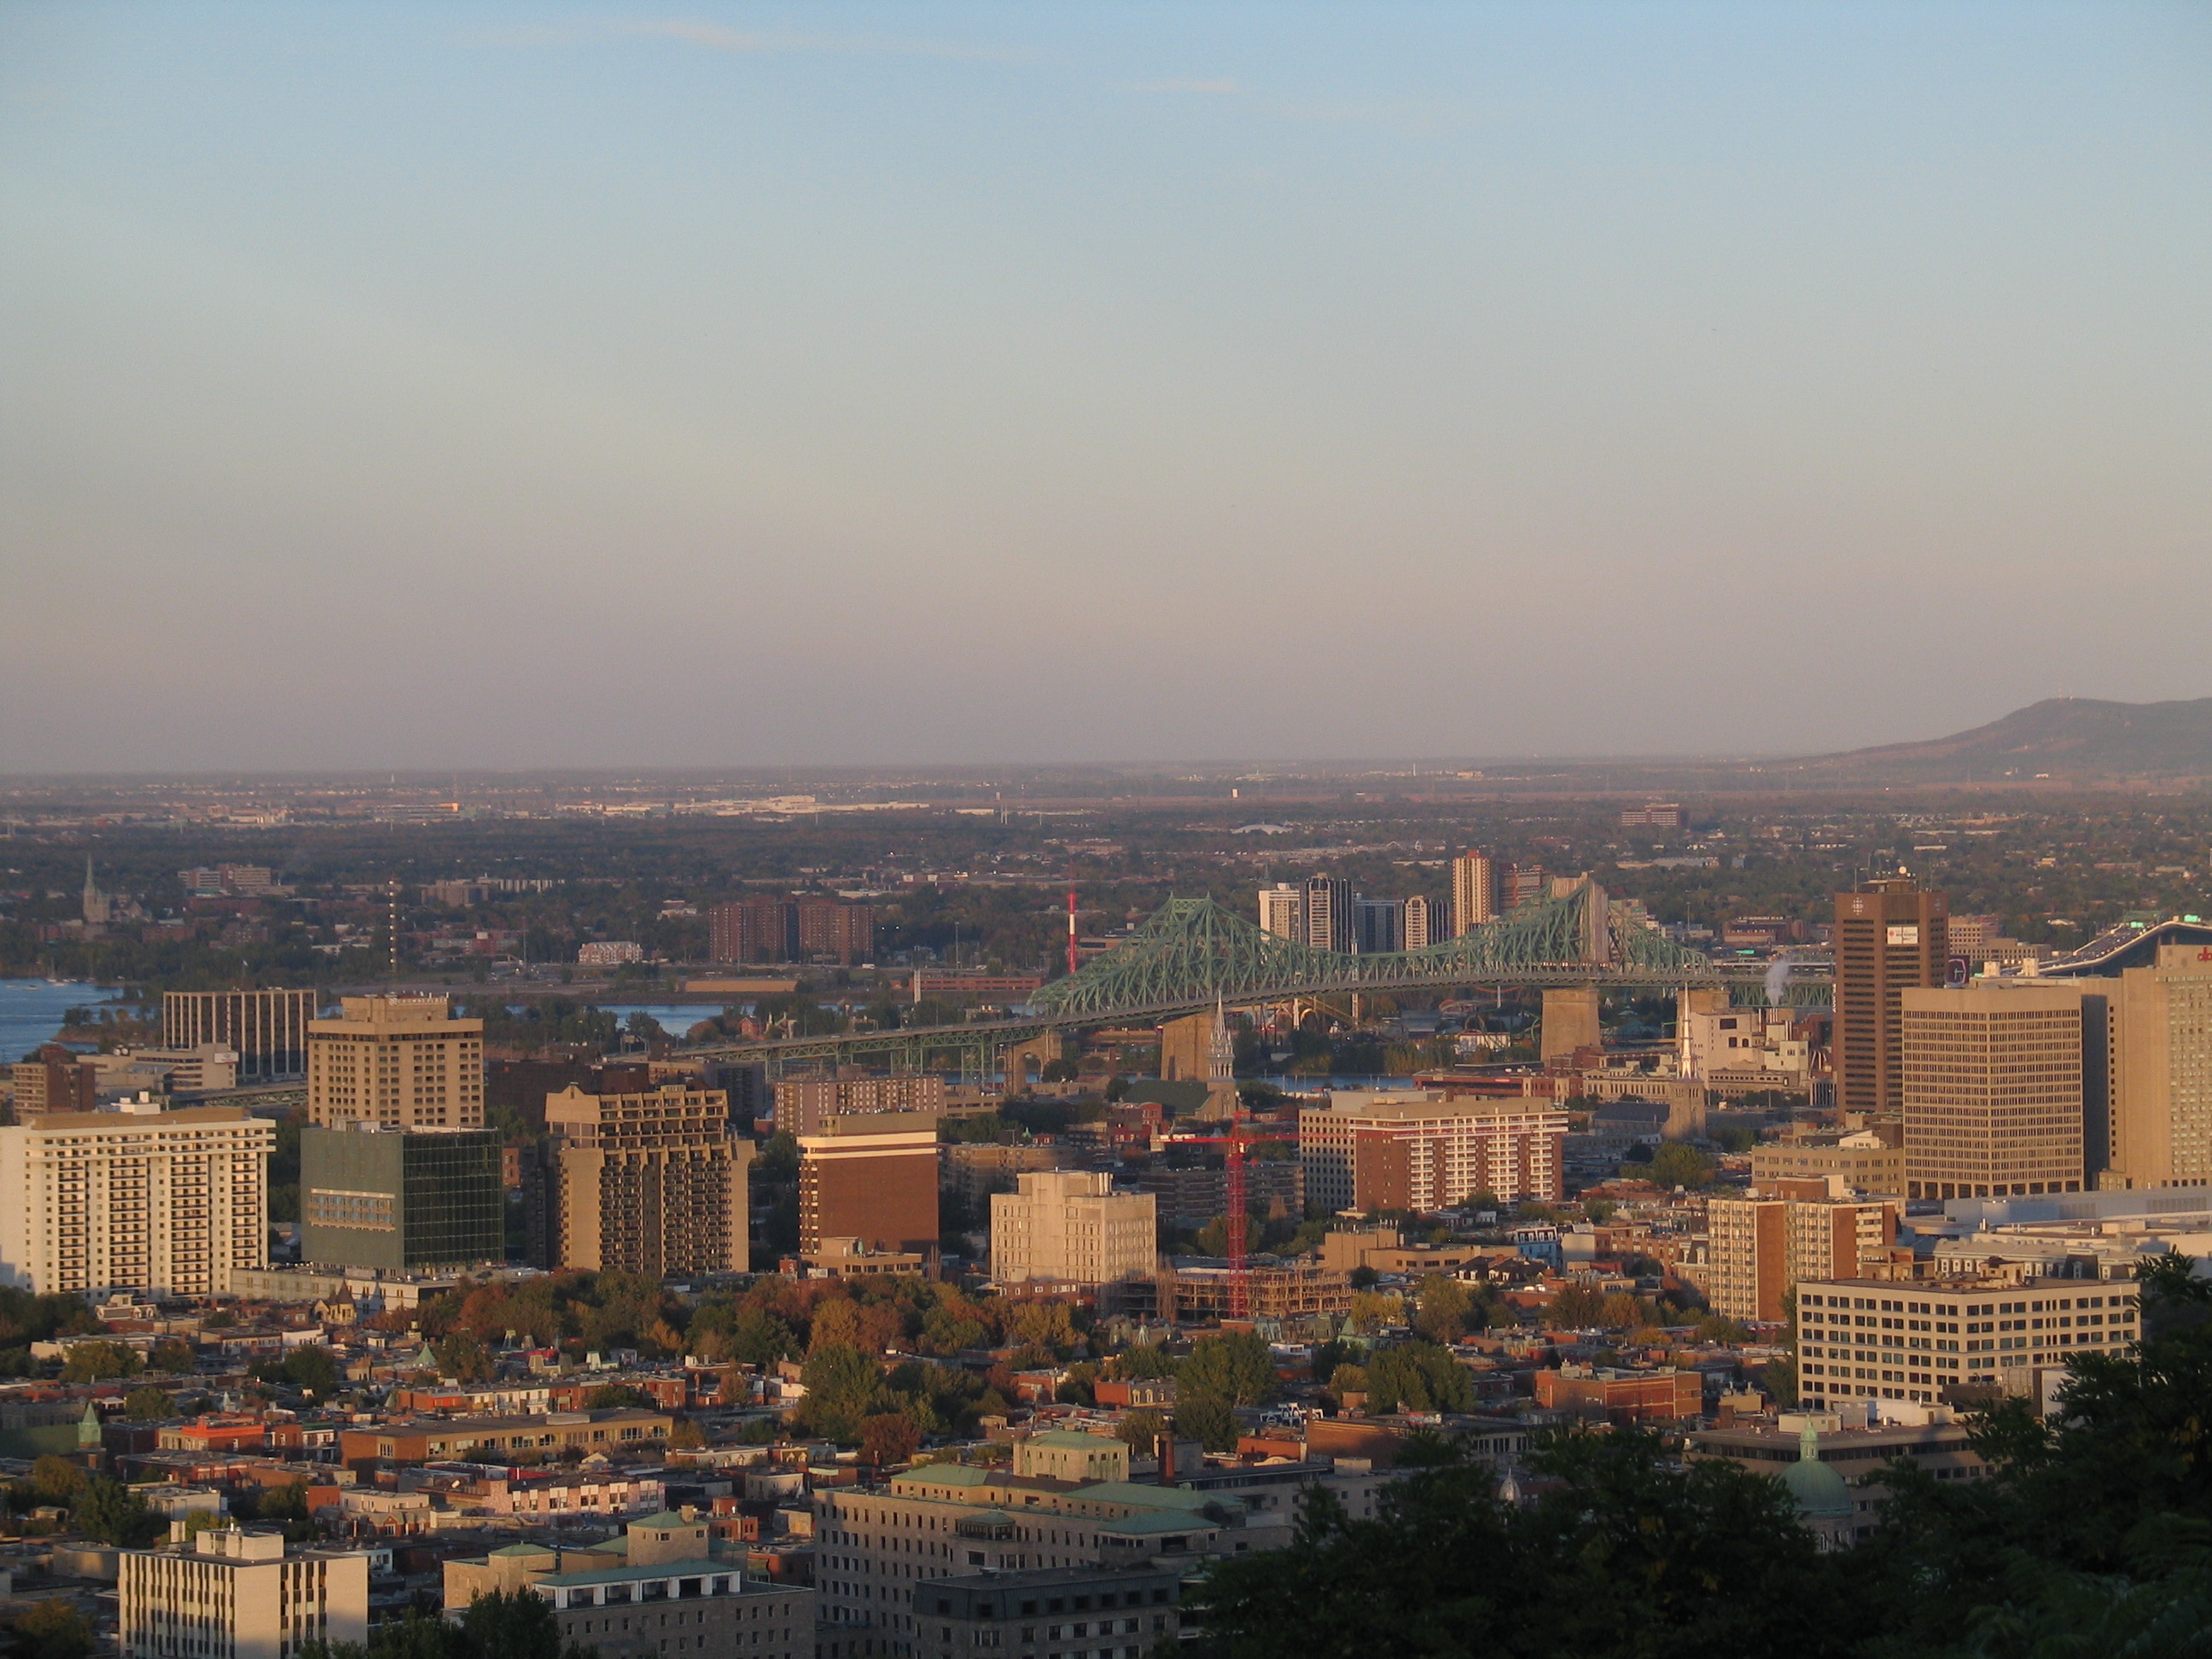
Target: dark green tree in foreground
{"type": "Point", "coordinates": [504, 1625]}
{"type": "Point", "coordinates": [2092, 1537]}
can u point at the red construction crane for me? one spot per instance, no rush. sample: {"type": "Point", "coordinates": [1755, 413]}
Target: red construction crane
{"type": "Point", "coordinates": [1237, 1221]}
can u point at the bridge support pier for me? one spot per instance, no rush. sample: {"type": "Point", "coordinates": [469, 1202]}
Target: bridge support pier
{"type": "Point", "coordinates": [1571, 1021]}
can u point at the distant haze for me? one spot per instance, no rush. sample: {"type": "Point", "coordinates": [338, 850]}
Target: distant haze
{"type": "Point", "coordinates": [535, 386]}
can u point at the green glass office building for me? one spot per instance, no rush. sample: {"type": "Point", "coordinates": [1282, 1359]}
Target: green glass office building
{"type": "Point", "coordinates": [398, 1201]}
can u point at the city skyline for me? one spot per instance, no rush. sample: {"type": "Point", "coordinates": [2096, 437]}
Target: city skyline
{"type": "Point", "coordinates": [388, 386]}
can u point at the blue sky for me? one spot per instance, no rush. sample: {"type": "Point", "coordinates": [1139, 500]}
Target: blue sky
{"type": "Point", "coordinates": [489, 386]}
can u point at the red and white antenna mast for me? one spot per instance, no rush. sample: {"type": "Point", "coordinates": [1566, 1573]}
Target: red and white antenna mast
{"type": "Point", "coordinates": [1074, 955]}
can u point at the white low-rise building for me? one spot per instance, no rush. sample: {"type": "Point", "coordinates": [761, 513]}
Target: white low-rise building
{"type": "Point", "coordinates": [232, 1594]}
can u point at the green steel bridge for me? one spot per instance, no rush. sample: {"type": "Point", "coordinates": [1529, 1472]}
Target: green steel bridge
{"type": "Point", "coordinates": [1192, 954]}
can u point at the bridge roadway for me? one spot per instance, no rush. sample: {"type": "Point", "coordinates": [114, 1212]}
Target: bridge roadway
{"type": "Point", "coordinates": [987, 1041]}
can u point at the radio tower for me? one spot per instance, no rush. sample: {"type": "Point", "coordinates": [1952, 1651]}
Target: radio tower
{"type": "Point", "coordinates": [1073, 955]}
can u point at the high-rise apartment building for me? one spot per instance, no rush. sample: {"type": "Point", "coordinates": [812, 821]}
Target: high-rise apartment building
{"type": "Point", "coordinates": [1783, 1233]}
{"type": "Point", "coordinates": [1071, 1227]}
{"type": "Point", "coordinates": [231, 1594]}
{"type": "Point", "coordinates": [2160, 1129]}
{"type": "Point", "coordinates": [1420, 929]}
{"type": "Point", "coordinates": [402, 1062]}
{"type": "Point", "coordinates": [1524, 883]}
{"type": "Point", "coordinates": [753, 930]}
{"type": "Point", "coordinates": [1328, 913]}
{"type": "Point", "coordinates": [1376, 1151]}
{"type": "Point", "coordinates": [1378, 925]}
{"type": "Point", "coordinates": [651, 1183]}
{"type": "Point", "coordinates": [171, 1202]}
{"type": "Point", "coordinates": [844, 932]}
{"type": "Point", "coordinates": [267, 1030]}
{"type": "Point", "coordinates": [791, 930]}
{"type": "Point", "coordinates": [1475, 892]}
{"type": "Point", "coordinates": [1283, 911]}
{"type": "Point", "coordinates": [804, 1104]}
{"type": "Point", "coordinates": [872, 1178]}
{"type": "Point", "coordinates": [371, 1196]}
{"type": "Point", "coordinates": [1997, 1083]}
{"type": "Point", "coordinates": [1890, 936]}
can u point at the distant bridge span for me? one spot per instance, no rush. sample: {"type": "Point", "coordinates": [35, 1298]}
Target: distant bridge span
{"type": "Point", "coordinates": [1192, 954]}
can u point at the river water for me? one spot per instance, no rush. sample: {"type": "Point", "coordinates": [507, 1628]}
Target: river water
{"type": "Point", "coordinates": [31, 1012]}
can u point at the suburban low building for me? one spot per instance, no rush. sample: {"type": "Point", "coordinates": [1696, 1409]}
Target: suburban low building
{"type": "Point", "coordinates": [658, 1592]}
{"type": "Point", "coordinates": [628, 1429]}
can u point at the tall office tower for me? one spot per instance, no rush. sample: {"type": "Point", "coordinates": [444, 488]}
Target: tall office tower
{"type": "Point", "coordinates": [1786, 1232]}
{"type": "Point", "coordinates": [1071, 1227]}
{"type": "Point", "coordinates": [1283, 911]}
{"type": "Point", "coordinates": [1475, 892]}
{"type": "Point", "coordinates": [171, 1202]}
{"type": "Point", "coordinates": [1890, 937]}
{"type": "Point", "coordinates": [872, 1178]}
{"type": "Point", "coordinates": [1996, 1085]}
{"type": "Point", "coordinates": [651, 1183]}
{"type": "Point", "coordinates": [804, 1105]}
{"type": "Point", "coordinates": [1329, 914]}
{"type": "Point", "coordinates": [238, 1594]}
{"type": "Point", "coordinates": [267, 1030]}
{"type": "Point", "coordinates": [846, 931]}
{"type": "Point", "coordinates": [371, 1197]}
{"type": "Point", "coordinates": [402, 1062]}
{"type": "Point", "coordinates": [1378, 925]}
{"type": "Point", "coordinates": [1420, 930]}
{"type": "Point", "coordinates": [1422, 1152]}
{"type": "Point", "coordinates": [2161, 1133]}
{"type": "Point", "coordinates": [1525, 883]}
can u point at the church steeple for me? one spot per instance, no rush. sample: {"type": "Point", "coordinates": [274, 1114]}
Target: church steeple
{"type": "Point", "coordinates": [96, 907]}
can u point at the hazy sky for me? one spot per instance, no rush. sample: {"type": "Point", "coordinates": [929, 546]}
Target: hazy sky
{"type": "Point", "coordinates": [515, 386]}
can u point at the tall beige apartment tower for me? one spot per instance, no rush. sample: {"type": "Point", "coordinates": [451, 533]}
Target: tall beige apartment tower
{"type": "Point", "coordinates": [400, 1062]}
{"type": "Point", "coordinates": [171, 1202]}
{"type": "Point", "coordinates": [651, 1183]}
{"type": "Point", "coordinates": [1998, 1083]}
{"type": "Point", "coordinates": [1420, 925]}
{"type": "Point", "coordinates": [1071, 1227]}
{"type": "Point", "coordinates": [1890, 937]}
{"type": "Point", "coordinates": [1283, 911]}
{"type": "Point", "coordinates": [2161, 1133]}
{"type": "Point", "coordinates": [1475, 892]}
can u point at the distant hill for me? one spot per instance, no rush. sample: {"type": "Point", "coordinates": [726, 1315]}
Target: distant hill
{"type": "Point", "coordinates": [2068, 738]}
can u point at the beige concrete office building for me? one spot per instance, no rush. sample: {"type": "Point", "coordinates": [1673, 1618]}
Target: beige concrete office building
{"type": "Point", "coordinates": [268, 1029]}
{"type": "Point", "coordinates": [1071, 1227]}
{"type": "Point", "coordinates": [1874, 1340]}
{"type": "Point", "coordinates": [171, 1202]}
{"type": "Point", "coordinates": [402, 1062]}
{"type": "Point", "coordinates": [2161, 1128]}
{"type": "Point", "coordinates": [232, 1594]}
{"type": "Point", "coordinates": [1995, 1084]}
{"type": "Point", "coordinates": [1862, 1162]}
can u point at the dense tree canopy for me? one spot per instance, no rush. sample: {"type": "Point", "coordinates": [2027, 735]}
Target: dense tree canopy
{"type": "Point", "coordinates": [2092, 1536]}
